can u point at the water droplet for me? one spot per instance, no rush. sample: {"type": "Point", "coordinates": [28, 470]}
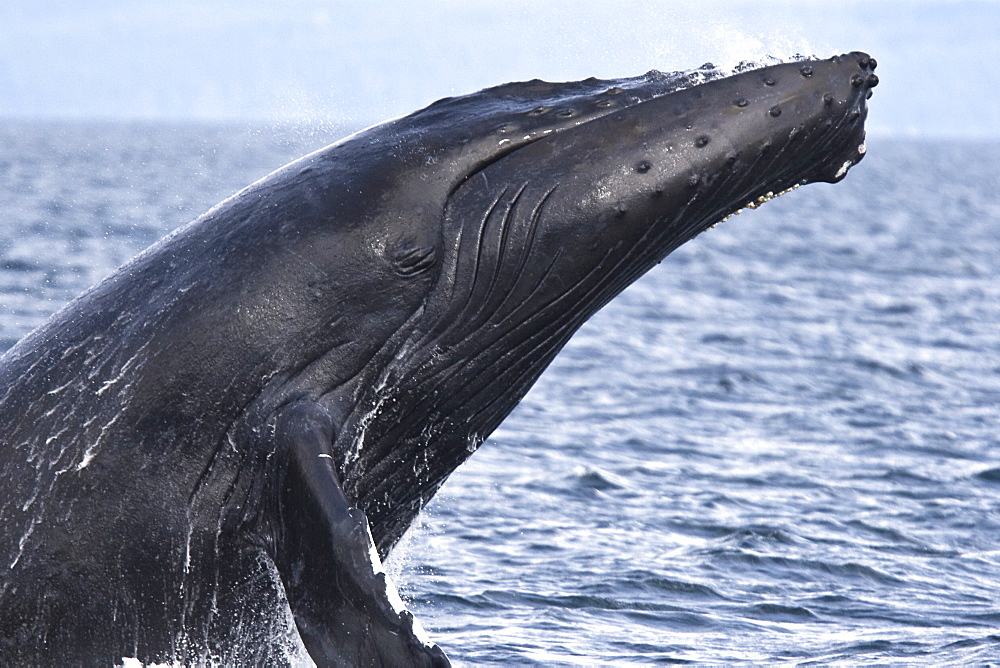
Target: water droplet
{"type": "Point", "coordinates": [806, 70]}
{"type": "Point", "coordinates": [702, 141]}
{"type": "Point", "coordinates": [827, 99]}
{"type": "Point", "coordinates": [643, 167]}
{"type": "Point", "coordinates": [857, 80]}
{"type": "Point", "coordinates": [872, 80]}
{"type": "Point", "coordinates": [775, 111]}
{"type": "Point", "coordinates": [769, 81]}
{"type": "Point", "coordinates": [742, 102]}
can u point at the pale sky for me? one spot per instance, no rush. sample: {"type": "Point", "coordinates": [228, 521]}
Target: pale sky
{"type": "Point", "coordinates": [360, 61]}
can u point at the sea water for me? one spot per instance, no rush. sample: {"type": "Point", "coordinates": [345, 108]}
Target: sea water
{"type": "Point", "coordinates": [780, 446]}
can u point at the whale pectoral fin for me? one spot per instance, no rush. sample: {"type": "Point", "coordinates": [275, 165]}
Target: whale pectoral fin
{"type": "Point", "coordinates": [346, 608]}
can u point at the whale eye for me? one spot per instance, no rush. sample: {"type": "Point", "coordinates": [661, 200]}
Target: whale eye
{"type": "Point", "coordinates": [413, 261]}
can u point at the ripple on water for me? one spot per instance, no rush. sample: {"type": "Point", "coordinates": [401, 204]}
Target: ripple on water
{"type": "Point", "coordinates": [778, 447]}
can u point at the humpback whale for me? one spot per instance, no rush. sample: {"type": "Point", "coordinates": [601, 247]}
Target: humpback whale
{"type": "Point", "coordinates": [204, 458]}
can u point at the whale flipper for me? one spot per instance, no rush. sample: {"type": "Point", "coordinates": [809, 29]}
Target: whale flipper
{"type": "Point", "coordinates": [346, 608]}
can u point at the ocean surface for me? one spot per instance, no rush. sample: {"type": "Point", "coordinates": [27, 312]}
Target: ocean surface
{"type": "Point", "coordinates": [781, 446]}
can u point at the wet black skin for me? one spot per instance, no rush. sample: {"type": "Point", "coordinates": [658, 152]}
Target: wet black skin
{"type": "Point", "coordinates": [207, 433]}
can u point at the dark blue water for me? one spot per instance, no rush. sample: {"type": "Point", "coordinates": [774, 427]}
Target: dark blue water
{"type": "Point", "coordinates": [780, 446]}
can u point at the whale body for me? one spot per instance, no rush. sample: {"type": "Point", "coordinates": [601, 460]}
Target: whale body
{"type": "Point", "coordinates": [245, 418]}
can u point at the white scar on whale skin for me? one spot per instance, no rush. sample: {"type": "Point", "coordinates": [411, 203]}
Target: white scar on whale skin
{"type": "Point", "coordinates": [123, 370]}
{"type": "Point", "coordinates": [61, 387]}
{"type": "Point", "coordinates": [24, 540]}
{"type": "Point", "coordinates": [91, 451]}
{"type": "Point", "coordinates": [136, 360]}
{"type": "Point", "coordinates": [862, 149]}
{"type": "Point", "coordinates": [843, 169]}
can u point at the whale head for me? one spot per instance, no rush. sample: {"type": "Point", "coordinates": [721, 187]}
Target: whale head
{"type": "Point", "coordinates": [504, 219]}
